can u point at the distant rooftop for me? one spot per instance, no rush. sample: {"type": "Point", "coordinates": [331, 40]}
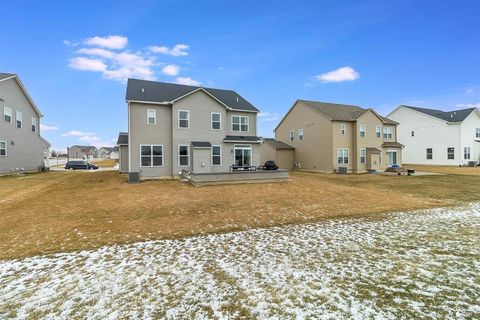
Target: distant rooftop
{"type": "Point", "coordinates": [451, 116]}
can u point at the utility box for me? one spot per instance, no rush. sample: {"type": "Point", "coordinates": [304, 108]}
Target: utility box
{"type": "Point", "coordinates": [133, 177]}
{"type": "Point", "coordinates": [342, 170]}
{"type": "Point", "coordinates": [472, 163]}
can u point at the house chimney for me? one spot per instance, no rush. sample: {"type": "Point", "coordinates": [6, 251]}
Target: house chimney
{"type": "Point", "coordinates": [143, 90]}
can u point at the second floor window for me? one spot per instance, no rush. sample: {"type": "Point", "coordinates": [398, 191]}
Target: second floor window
{"type": "Point", "coordinates": [34, 124]}
{"type": "Point", "coordinates": [450, 153]}
{"type": "Point", "coordinates": [477, 133]}
{"type": "Point", "coordinates": [342, 128]}
{"type": "Point", "coordinates": [240, 123]}
{"type": "Point", "coordinates": [387, 133]}
{"type": "Point", "coordinates": [466, 153]}
{"type": "Point", "coordinates": [183, 118]}
{"type": "Point", "coordinates": [216, 121]}
{"type": "Point", "coordinates": [362, 130]}
{"type": "Point", "coordinates": [300, 134]}
{"type": "Point", "coordinates": [7, 114]}
{"type": "Point", "coordinates": [292, 136]}
{"type": "Point", "coordinates": [429, 153]}
{"type": "Point", "coordinates": [378, 131]}
{"type": "Point", "coordinates": [19, 118]}
{"type": "Point", "coordinates": [151, 116]}
{"type": "Point", "coordinates": [342, 156]}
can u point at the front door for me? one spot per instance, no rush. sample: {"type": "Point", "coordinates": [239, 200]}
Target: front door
{"type": "Point", "coordinates": [243, 155]}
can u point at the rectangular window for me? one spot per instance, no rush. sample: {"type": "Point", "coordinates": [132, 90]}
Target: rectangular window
{"type": "Point", "coordinates": [216, 121]}
{"type": "Point", "coordinates": [300, 134]}
{"type": "Point", "coordinates": [183, 155]}
{"type": "Point", "coordinates": [342, 128]}
{"type": "Point", "coordinates": [151, 116]}
{"type": "Point", "coordinates": [362, 130]}
{"type": "Point", "coordinates": [216, 155]}
{"type": "Point", "coordinates": [7, 114]}
{"type": "Point", "coordinates": [450, 153]}
{"type": "Point", "coordinates": [413, 133]}
{"type": "Point", "coordinates": [387, 133]}
{"type": "Point", "coordinates": [3, 148]}
{"type": "Point", "coordinates": [429, 153]}
{"type": "Point", "coordinates": [292, 136]}
{"type": "Point", "coordinates": [19, 117]}
{"type": "Point", "coordinates": [477, 133]}
{"type": "Point", "coordinates": [466, 153]}
{"type": "Point", "coordinates": [363, 155]}
{"type": "Point", "coordinates": [239, 123]}
{"type": "Point", "coordinates": [151, 155]}
{"type": "Point", "coordinates": [183, 119]}
{"type": "Point", "coordinates": [34, 124]}
{"type": "Point", "coordinates": [342, 156]}
{"type": "Point", "coordinates": [378, 131]}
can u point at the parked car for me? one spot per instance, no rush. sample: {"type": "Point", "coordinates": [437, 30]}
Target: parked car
{"type": "Point", "coordinates": [80, 165]}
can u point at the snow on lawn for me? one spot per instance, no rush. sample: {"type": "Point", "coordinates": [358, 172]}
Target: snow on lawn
{"type": "Point", "coordinates": [424, 264]}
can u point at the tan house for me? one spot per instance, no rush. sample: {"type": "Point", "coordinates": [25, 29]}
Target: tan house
{"type": "Point", "coordinates": [278, 151]}
{"type": "Point", "coordinates": [331, 137]}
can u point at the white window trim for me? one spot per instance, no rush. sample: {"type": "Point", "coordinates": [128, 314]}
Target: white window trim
{"type": "Point", "coordinates": [426, 154]}
{"type": "Point", "coordinates": [387, 133]}
{"type": "Point", "coordinates": [6, 149]}
{"type": "Point", "coordinates": [365, 157]}
{"type": "Point", "coordinates": [364, 130]}
{"type": "Point", "coordinates": [300, 134]}
{"type": "Point", "coordinates": [469, 153]}
{"type": "Point", "coordinates": [292, 136]}
{"type": "Point", "coordinates": [221, 157]}
{"type": "Point", "coordinates": [5, 114]}
{"type": "Point", "coordinates": [151, 156]}
{"type": "Point", "coordinates": [34, 123]}
{"type": "Point", "coordinates": [154, 116]}
{"type": "Point", "coordinates": [348, 155]}
{"type": "Point", "coordinates": [242, 147]}
{"type": "Point", "coordinates": [477, 133]}
{"type": "Point", "coordinates": [17, 119]}
{"type": "Point", "coordinates": [343, 129]}
{"type": "Point", "coordinates": [378, 132]}
{"type": "Point", "coordinates": [396, 155]}
{"type": "Point", "coordinates": [453, 153]}
{"type": "Point", "coordinates": [240, 123]}
{"type": "Point", "coordinates": [211, 121]}
{"type": "Point", "coordinates": [188, 119]}
{"type": "Point", "coordinates": [188, 155]}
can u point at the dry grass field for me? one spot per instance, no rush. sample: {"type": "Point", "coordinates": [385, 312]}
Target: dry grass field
{"type": "Point", "coordinates": [66, 211]}
{"type": "Point", "coordinates": [475, 171]}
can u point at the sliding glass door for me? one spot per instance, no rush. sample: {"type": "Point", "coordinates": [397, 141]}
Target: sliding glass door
{"type": "Point", "coordinates": [243, 155]}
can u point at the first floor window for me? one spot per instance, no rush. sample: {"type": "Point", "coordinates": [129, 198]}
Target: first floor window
{"type": "Point", "coordinates": [466, 153]}
{"type": "Point", "coordinates": [429, 153]}
{"type": "Point", "coordinates": [387, 133]}
{"type": "Point", "coordinates": [216, 121]}
{"type": "Point", "coordinates": [3, 148]}
{"type": "Point", "coordinates": [240, 123]}
{"type": "Point", "coordinates": [450, 153]}
{"type": "Point", "coordinates": [292, 136]}
{"type": "Point", "coordinates": [183, 118]}
{"type": "Point", "coordinates": [477, 133]}
{"type": "Point", "coordinates": [378, 131]}
{"type": "Point", "coordinates": [183, 155]}
{"type": "Point", "coordinates": [19, 118]}
{"type": "Point", "coordinates": [7, 114]}
{"type": "Point", "coordinates": [151, 116]}
{"type": "Point", "coordinates": [216, 155]}
{"type": "Point", "coordinates": [151, 155]}
{"type": "Point", "coordinates": [300, 134]}
{"type": "Point", "coordinates": [342, 156]}
{"type": "Point", "coordinates": [363, 155]}
{"type": "Point", "coordinates": [34, 124]}
{"type": "Point", "coordinates": [362, 130]}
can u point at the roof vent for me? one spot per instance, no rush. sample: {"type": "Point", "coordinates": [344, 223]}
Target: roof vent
{"type": "Point", "coordinates": [143, 90]}
{"type": "Point", "coordinates": [237, 99]}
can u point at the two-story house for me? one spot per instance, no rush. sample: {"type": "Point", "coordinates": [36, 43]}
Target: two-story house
{"type": "Point", "coordinates": [21, 146]}
{"type": "Point", "coordinates": [77, 152]}
{"type": "Point", "coordinates": [173, 127]}
{"type": "Point", "coordinates": [436, 137]}
{"type": "Point", "coordinates": [328, 136]}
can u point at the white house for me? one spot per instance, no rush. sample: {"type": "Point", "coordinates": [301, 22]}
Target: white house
{"type": "Point", "coordinates": [436, 137]}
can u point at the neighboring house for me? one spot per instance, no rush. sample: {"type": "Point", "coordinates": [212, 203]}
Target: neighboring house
{"type": "Point", "coordinates": [278, 151]}
{"type": "Point", "coordinates": [175, 127]}
{"type": "Point", "coordinates": [327, 136]}
{"type": "Point", "coordinates": [104, 152]}
{"type": "Point", "coordinates": [114, 154]}
{"type": "Point", "coordinates": [21, 145]}
{"type": "Point", "coordinates": [438, 137]}
{"type": "Point", "coordinates": [122, 144]}
{"type": "Point", "coordinates": [82, 152]}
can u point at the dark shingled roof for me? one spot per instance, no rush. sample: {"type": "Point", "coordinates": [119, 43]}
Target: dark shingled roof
{"type": "Point", "coordinates": [6, 75]}
{"type": "Point", "coordinates": [392, 145]}
{"type": "Point", "coordinates": [201, 144]}
{"type": "Point", "coordinates": [243, 138]}
{"type": "Point", "coordinates": [373, 150]}
{"type": "Point", "coordinates": [166, 92]}
{"type": "Point", "coordinates": [122, 138]}
{"type": "Point", "coordinates": [451, 116]}
{"type": "Point", "coordinates": [278, 145]}
{"type": "Point", "coordinates": [341, 112]}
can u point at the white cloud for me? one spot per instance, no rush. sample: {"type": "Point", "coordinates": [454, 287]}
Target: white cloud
{"type": "Point", "coordinates": [468, 105]}
{"type": "Point", "coordinates": [75, 133]}
{"type": "Point", "coordinates": [177, 51]}
{"type": "Point", "coordinates": [469, 91]}
{"type": "Point", "coordinates": [171, 70]}
{"type": "Point", "coordinates": [339, 75]}
{"type": "Point", "coordinates": [44, 127]}
{"type": "Point", "coordinates": [89, 138]}
{"type": "Point", "coordinates": [267, 116]}
{"type": "Point", "coordinates": [188, 81]}
{"type": "Point", "coordinates": [104, 53]}
{"type": "Point", "coordinates": [110, 42]}
{"type": "Point", "coordinates": [87, 64]}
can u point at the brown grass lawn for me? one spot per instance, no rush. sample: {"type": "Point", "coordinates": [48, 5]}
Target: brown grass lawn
{"type": "Point", "coordinates": [64, 211]}
{"type": "Point", "coordinates": [475, 171]}
{"type": "Point", "coordinates": [105, 163]}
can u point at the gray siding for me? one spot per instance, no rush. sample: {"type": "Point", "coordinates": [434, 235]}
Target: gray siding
{"type": "Point", "coordinates": [28, 150]}
{"type": "Point", "coordinates": [123, 159]}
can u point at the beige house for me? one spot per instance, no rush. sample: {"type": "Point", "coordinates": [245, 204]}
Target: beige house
{"type": "Point", "coordinates": [77, 152]}
{"type": "Point", "coordinates": [331, 137]}
{"type": "Point", "coordinates": [278, 151]}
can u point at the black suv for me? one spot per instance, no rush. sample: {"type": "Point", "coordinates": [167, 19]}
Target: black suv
{"type": "Point", "coordinates": [80, 165]}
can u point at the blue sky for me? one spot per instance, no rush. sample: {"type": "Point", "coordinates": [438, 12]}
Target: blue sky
{"type": "Point", "coordinates": [370, 53]}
